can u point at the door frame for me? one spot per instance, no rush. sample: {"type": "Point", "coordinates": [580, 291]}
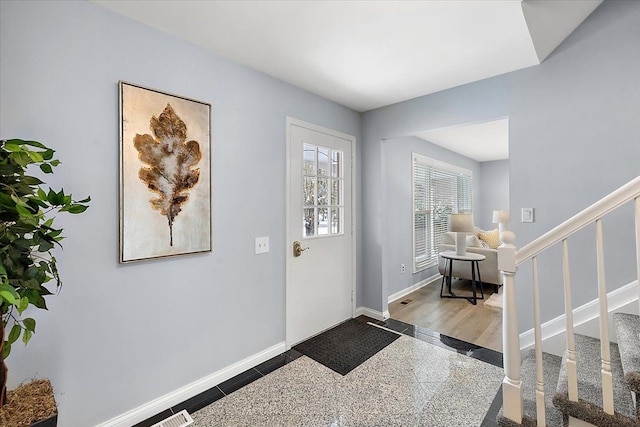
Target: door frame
{"type": "Point", "coordinates": [291, 121]}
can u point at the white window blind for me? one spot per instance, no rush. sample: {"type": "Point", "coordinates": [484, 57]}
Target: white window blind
{"type": "Point", "coordinates": [439, 189]}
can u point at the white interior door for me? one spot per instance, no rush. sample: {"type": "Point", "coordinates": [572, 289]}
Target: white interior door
{"type": "Point", "coordinates": [320, 280]}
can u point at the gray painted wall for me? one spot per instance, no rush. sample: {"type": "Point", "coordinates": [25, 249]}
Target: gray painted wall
{"type": "Point", "coordinates": [396, 166]}
{"type": "Point", "coordinates": [574, 137]}
{"type": "Point", "coordinates": [119, 336]}
{"type": "Point", "coordinates": [495, 192]}
{"type": "Point", "coordinates": [108, 337]}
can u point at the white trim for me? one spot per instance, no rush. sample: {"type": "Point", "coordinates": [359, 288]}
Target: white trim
{"type": "Point", "coordinates": [290, 121]}
{"type": "Point", "coordinates": [188, 391]}
{"type": "Point", "coordinates": [374, 314]}
{"type": "Point", "coordinates": [386, 315]}
{"type": "Point", "coordinates": [413, 288]}
{"type": "Point", "coordinates": [417, 157]}
{"type": "Point", "coordinates": [589, 311]}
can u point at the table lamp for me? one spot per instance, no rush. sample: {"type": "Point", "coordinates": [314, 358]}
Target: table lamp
{"type": "Point", "coordinates": [461, 224]}
{"type": "Point", "coordinates": [502, 219]}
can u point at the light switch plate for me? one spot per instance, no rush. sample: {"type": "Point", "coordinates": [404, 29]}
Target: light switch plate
{"type": "Point", "coordinates": [527, 214]}
{"type": "Point", "coordinates": [262, 245]}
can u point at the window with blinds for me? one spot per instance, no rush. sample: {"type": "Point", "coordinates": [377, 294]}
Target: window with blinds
{"type": "Point", "coordinates": [439, 189]}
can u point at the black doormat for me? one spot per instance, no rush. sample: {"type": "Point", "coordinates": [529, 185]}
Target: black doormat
{"type": "Point", "coordinates": [346, 346]}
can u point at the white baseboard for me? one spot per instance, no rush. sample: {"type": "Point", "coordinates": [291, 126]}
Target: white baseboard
{"type": "Point", "coordinates": [378, 315]}
{"type": "Point", "coordinates": [583, 314]}
{"type": "Point", "coordinates": [412, 288]}
{"type": "Point", "coordinates": [162, 403]}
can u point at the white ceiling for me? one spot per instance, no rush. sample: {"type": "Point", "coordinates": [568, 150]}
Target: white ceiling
{"type": "Point", "coordinates": [368, 54]}
{"type": "Point", "coordinates": [482, 141]}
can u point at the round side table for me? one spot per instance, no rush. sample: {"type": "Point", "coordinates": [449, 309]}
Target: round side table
{"type": "Point", "coordinates": [474, 259]}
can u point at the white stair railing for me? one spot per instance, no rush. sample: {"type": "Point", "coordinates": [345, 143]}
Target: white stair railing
{"type": "Point", "coordinates": [509, 258]}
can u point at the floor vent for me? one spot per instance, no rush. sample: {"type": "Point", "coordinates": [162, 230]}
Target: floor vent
{"type": "Point", "coordinates": [406, 302]}
{"type": "Point", "coordinates": [181, 419]}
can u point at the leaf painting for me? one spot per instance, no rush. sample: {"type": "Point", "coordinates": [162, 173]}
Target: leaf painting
{"type": "Point", "coordinates": [171, 161]}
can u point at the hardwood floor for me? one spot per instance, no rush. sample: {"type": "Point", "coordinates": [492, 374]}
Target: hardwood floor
{"type": "Point", "coordinates": [458, 318]}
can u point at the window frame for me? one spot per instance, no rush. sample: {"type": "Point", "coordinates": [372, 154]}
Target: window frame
{"type": "Point", "coordinates": [429, 257]}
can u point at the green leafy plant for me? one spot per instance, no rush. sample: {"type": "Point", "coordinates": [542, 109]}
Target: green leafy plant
{"type": "Point", "coordinates": [28, 271]}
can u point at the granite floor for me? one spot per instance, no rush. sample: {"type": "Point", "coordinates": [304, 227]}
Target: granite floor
{"type": "Point", "coordinates": [415, 381]}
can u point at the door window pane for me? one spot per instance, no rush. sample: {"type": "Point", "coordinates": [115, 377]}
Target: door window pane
{"type": "Point", "coordinates": [323, 221]}
{"type": "Point", "coordinates": [323, 161]}
{"type": "Point", "coordinates": [335, 192]}
{"type": "Point", "coordinates": [336, 163]}
{"type": "Point", "coordinates": [336, 221]}
{"type": "Point", "coordinates": [309, 156]}
{"type": "Point", "coordinates": [309, 191]}
{"type": "Point", "coordinates": [309, 222]}
{"type": "Point", "coordinates": [322, 191]}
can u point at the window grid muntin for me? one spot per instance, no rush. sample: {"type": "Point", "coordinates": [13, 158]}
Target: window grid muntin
{"type": "Point", "coordinates": [331, 176]}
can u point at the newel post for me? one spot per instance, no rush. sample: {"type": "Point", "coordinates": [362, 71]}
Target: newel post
{"type": "Point", "coordinates": [511, 384]}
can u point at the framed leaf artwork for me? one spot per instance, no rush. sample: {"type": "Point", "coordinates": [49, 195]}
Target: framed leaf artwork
{"type": "Point", "coordinates": [165, 174]}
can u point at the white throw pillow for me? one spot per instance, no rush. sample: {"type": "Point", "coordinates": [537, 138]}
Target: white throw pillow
{"type": "Point", "coordinates": [473, 241]}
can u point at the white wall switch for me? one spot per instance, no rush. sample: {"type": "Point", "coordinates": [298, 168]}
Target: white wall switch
{"type": "Point", "coordinates": [527, 214]}
{"type": "Point", "coordinates": [262, 245]}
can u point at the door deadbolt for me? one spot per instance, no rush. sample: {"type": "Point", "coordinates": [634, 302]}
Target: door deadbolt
{"type": "Point", "coordinates": [298, 249]}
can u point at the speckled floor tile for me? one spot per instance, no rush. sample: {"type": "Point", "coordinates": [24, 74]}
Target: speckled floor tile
{"type": "Point", "coordinates": [380, 398]}
{"type": "Point", "coordinates": [379, 420]}
{"type": "Point", "coordinates": [409, 383]}
{"type": "Point", "coordinates": [453, 408]}
{"type": "Point", "coordinates": [305, 370]}
{"type": "Point", "coordinates": [270, 421]}
{"type": "Point", "coordinates": [456, 366]}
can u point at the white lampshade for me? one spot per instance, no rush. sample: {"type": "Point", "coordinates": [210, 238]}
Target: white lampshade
{"type": "Point", "coordinates": [500, 217]}
{"type": "Point", "coordinates": [461, 223]}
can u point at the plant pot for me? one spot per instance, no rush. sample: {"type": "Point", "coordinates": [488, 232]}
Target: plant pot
{"type": "Point", "coordinates": [49, 422]}
{"type": "Point", "coordinates": [29, 402]}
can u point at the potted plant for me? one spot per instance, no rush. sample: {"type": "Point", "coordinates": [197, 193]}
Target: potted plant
{"type": "Point", "coordinates": [28, 271]}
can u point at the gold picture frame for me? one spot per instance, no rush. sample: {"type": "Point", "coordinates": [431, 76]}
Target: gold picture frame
{"type": "Point", "coordinates": [165, 174]}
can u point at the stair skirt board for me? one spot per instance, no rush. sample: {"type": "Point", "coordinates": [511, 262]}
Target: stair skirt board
{"type": "Point", "coordinates": [589, 405]}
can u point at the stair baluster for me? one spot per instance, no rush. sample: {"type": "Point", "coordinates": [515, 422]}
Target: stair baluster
{"type": "Point", "coordinates": [540, 409]}
{"type": "Point", "coordinates": [572, 373]}
{"type": "Point", "coordinates": [607, 378]}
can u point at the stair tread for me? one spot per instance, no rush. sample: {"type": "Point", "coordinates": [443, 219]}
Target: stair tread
{"type": "Point", "coordinates": [588, 362]}
{"type": "Point", "coordinates": [551, 370]}
{"type": "Point", "coordinates": [628, 332]}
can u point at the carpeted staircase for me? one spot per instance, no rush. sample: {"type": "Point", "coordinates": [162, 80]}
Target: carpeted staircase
{"type": "Point", "coordinates": [625, 368]}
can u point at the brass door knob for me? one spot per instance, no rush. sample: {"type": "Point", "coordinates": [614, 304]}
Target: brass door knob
{"type": "Point", "coordinates": [298, 249]}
